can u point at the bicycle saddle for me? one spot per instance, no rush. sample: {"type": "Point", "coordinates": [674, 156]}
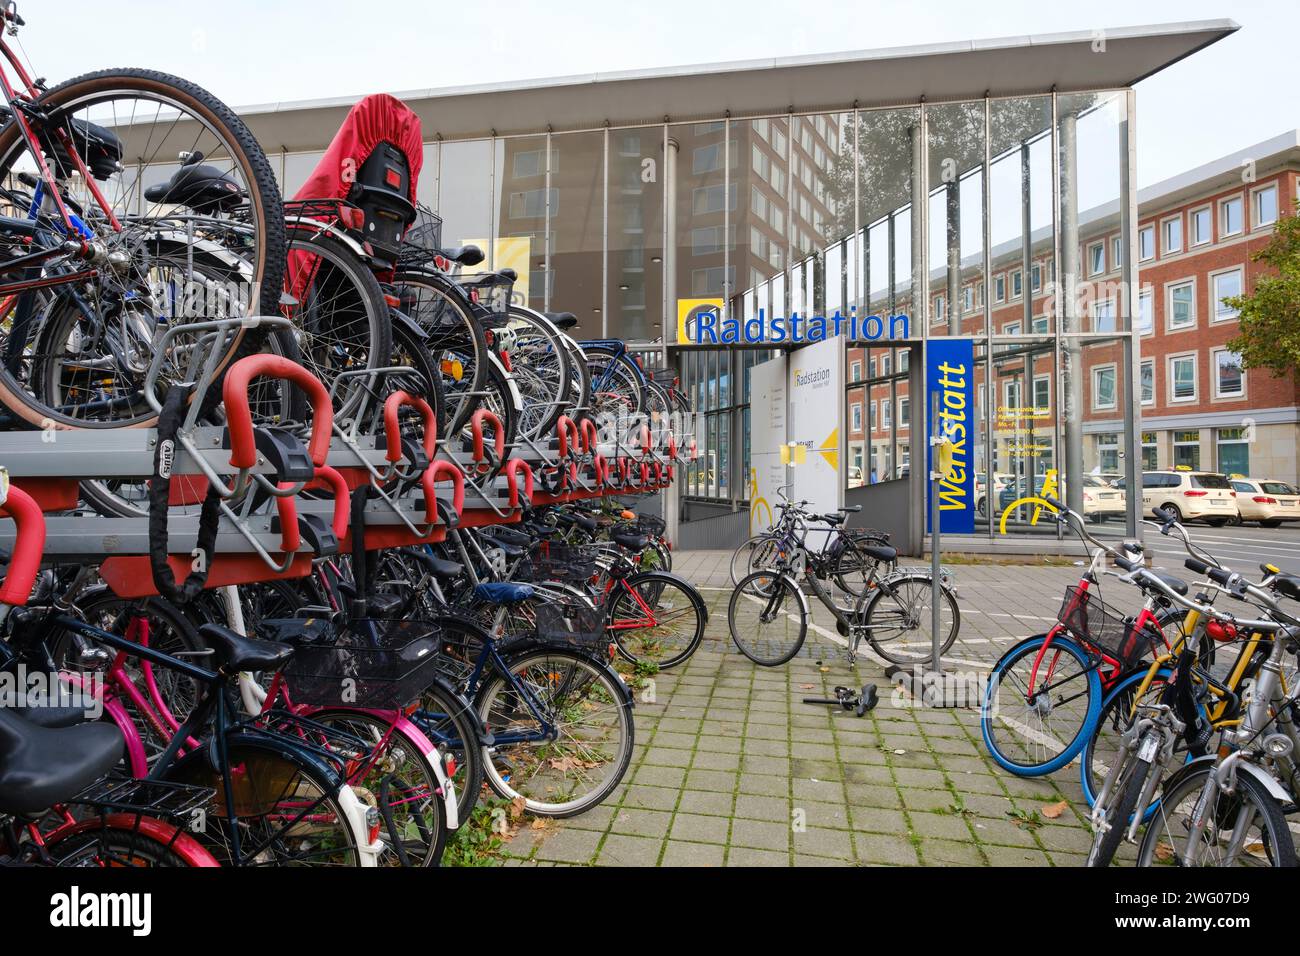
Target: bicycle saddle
{"type": "Point", "coordinates": [502, 592]}
{"type": "Point", "coordinates": [295, 630]}
{"type": "Point", "coordinates": [562, 320]}
{"type": "Point", "coordinates": [881, 552]}
{"type": "Point", "coordinates": [68, 712]}
{"type": "Point", "coordinates": [1175, 584]}
{"type": "Point", "coordinates": [203, 188]}
{"type": "Point", "coordinates": [41, 766]}
{"type": "Point", "coordinates": [586, 524]}
{"type": "Point", "coordinates": [1287, 585]}
{"type": "Point", "coordinates": [465, 255]}
{"type": "Point", "coordinates": [630, 540]}
{"type": "Point", "coordinates": [238, 653]}
{"type": "Point", "coordinates": [441, 567]}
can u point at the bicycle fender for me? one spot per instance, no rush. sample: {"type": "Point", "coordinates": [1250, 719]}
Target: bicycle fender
{"type": "Point", "coordinates": [1262, 776]}
{"type": "Point", "coordinates": [299, 756]}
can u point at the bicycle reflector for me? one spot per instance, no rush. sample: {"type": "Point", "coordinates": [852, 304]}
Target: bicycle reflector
{"type": "Point", "coordinates": [1221, 632]}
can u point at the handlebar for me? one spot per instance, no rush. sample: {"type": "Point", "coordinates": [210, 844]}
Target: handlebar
{"type": "Point", "coordinates": [239, 417]}
{"type": "Point", "coordinates": [29, 544]}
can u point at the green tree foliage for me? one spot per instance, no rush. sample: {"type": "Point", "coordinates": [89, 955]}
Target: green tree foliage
{"type": "Point", "coordinates": [1270, 315]}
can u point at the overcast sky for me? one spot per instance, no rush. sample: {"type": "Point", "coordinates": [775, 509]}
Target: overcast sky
{"type": "Point", "coordinates": [1238, 92]}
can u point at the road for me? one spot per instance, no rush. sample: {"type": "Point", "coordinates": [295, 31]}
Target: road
{"type": "Point", "coordinates": [1241, 549]}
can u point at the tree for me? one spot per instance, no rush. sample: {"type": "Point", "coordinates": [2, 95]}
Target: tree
{"type": "Point", "coordinates": [1269, 330]}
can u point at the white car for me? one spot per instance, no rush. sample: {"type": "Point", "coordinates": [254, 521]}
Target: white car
{"type": "Point", "coordinates": [1192, 495]}
{"type": "Point", "coordinates": [1101, 500]}
{"type": "Point", "coordinates": [1266, 501]}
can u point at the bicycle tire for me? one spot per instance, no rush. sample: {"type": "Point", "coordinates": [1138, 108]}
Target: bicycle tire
{"type": "Point", "coordinates": [1277, 841]}
{"type": "Point", "coordinates": [991, 712]}
{"type": "Point", "coordinates": [1116, 819]}
{"type": "Point", "coordinates": [741, 560]}
{"type": "Point", "coordinates": [535, 339]}
{"type": "Point", "coordinates": [618, 387]}
{"type": "Point", "coordinates": [773, 597]}
{"type": "Point", "coordinates": [126, 844]}
{"type": "Point", "coordinates": [449, 720]}
{"type": "Point", "coordinates": [1115, 708]}
{"type": "Point", "coordinates": [266, 215]}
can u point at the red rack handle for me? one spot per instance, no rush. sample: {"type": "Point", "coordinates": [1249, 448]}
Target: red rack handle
{"type": "Point", "coordinates": [512, 469]}
{"type": "Point", "coordinates": [598, 463]}
{"type": "Point", "coordinates": [239, 418]}
{"type": "Point", "coordinates": [589, 436]}
{"type": "Point", "coordinates": [564, 428]}
{"type": "Point", "coordinates": [392, 431]}
{"type": "Point", "coordinates": [29, 545]}
{"type": "Point", "coordinates": [288, 512]}
{"type": "Point", "coordinates": [645, 439]}
{"type": "Point", "coordinates": [672, 448]}
{"type": "Point", "coordinates": [442, 471]}
{"type": "Point", "coordinates": [476, 427]}
{"type": "Point", "coordinates": [327, 477]}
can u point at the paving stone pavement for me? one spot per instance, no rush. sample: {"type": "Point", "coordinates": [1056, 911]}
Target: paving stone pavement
{"type": "Point", "coordinates": [731, 768]}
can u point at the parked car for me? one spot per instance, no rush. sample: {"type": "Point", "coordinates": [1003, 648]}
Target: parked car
{"type": "Point", "coordinates": [1101, 499]}
{"type": "Point", "coordinates": [1266, 501]}
{"type": "Point", "coordinates": [1193, 495]}
{"type": "Point", "coordinates": [1000, 481]}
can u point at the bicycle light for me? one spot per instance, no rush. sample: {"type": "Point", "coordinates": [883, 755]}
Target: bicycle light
{"type": "Point", "coordinates": [1278, 745]}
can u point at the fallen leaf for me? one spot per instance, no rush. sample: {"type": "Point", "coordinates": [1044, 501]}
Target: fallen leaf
{"type": "Point", "coordinates": [539, 823]}
{"type": "Point", "coordinates": [1164, 852]}
{"type": "Point", "coordinates": [517, 806]}
{"type": "Point", "coordinates": [900, 752]}
{"type": "Point", "coordinates": [807, 686]}
{"type": "Point", "coordinates": [1054, 810]}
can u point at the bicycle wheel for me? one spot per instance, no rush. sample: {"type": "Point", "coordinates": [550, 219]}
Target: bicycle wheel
{"type": "Point", "coordinates": [1245, 828]}
{"type": "Point", "coordinates": [576, 759]}
{"type": "Point", "coordinates": [159, 120]}
{"type": "Point", "coordinates": [1122, 805]}
{"type": "Point", "coordinates": [456, 344]}
{"type": "Point", "coordinates": [752, 555]}
{"type": "Point", "coordinates": [853, 570]}
{"type": "Point", "coordinates": [449, 720]}
{"type": "Point", "coordinates": [617, 385]}
{"type": "Point", "coordinates": [401, 784]}
{"type": "Point", "coordinates": [1101, 750]}
{"type": "Point", "coordinates": [114, 845]}
{"type": "Point", "coordinates": [657, 556]}
{"type": "Point", "coordinates": [767, 618]}
{"type": "Point", "coordinates": [540, 365]}
{"type": "Point", "coordinates": [656, 619]}
{"type": "Point", "coordinates": [340, 317]}
{"type": "Point", "coordinates": [1040, 705]}
{"type": "Point", "coordinates": [899, 618]}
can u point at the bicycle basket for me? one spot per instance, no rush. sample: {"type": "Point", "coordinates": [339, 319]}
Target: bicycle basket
{"type": "Point", "coordinates": [385, 670]}
{"type": "Point", "coordinates": [651, 525]}
{"type": "Point", "coordinates": [1102, 627]}
{"type": "Point", "coordinates": [424, 239]}
{"type": "Point", "coordinates": [491, 291]}
{"type": "Point", "coordinates": [572, 625]}
{"type": "Point", "coordinates": [566, 564]}
{"type": "Point", "coordinates": [662, 376]}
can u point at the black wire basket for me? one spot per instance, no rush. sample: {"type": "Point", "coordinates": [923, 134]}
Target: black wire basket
{"type": "Point", "coordinates": [377, 665]}
{"type": "Point", "coordinates": [662, 376]}
{"type": "Point", "coordinates": [491, 292]}
{"type": "Point", "coordinates": [573, 625]}
{"type": "Point", "coordinates": [562, 563]}
{"type": "Point", "coordinates": [1103, 628]}
{"type": "Point", "coordinates": [652, 525]}
{"type": "Point", "coordinates": [423, 240]}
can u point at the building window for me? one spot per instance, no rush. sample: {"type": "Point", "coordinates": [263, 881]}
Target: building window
{"type": "Point", "coordinates": [873, 416]}
{"type": "Point", "coordinates": [1233, 451]}
{"type": "Point", "coordinates": [1043, 394]}
{"type": "Point", "coordinates": [1147, 381]}
{"type": "Point", "coordinates": [1182, 378]}
{"type": "Point", "coordinates": [1172, 235]}
{"type": "Point", "coordinates": [1096, 259]}
{"type": "Point", "coordinates": [1201, 226]}
{"type": "Point", "coordinates": [1146, 312]}
{"type": "Point", "coordinates": [1230, 222]}
{"type": "Point", "coordinates": [904, 412]}
{"type": "Point", "coordinates": [1011, 396]}
{"type": "Point", "coordinates": [1103, 387]}
{"type": "Point", "coordinates": [1108, 452]}
{"type": "Point", "coordinates": [1229, 376]}
{"type": "Point", "coordinates": [1000, 288]}
{"type": "Point", "coordinates": [1037, 277]}
{"type": "Point", "coordinates": [1016, 284]}
{"type": "Point", "coordinates": [1182, 305]}
{"type": "Point", "coordinates": [1264, 205]}
{"type": "Point", "coordinates": [1039, 325]}
{"type": "Point", "coordinates": [886, 414]}
{"type": "Point", "coordinates": [1146, 243]}
{"type": "Point", "coordinates": [940, 308]}
{"type": "Point", "coordinates": [1226, 285]}
{"type": "Point", "coordinates": [856, 409]}
{"type": "Point", "coordinates": [1116, 253]}
{"type": "Point", "coordinates": [532, 204]}
{"type": "Point", "coordinates": [1149, 455]}
{"type": "Point", "coordinates": [1187, 450]}
{"type": "Point", "coordinates": [1103, 315]}
{"type": "Point", "coordinates": [707, 199]}
{"type": "Point", "coordinates": [855, 372]}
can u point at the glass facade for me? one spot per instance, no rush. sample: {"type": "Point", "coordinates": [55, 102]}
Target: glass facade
{"type": "Point", "coordinates": [1022, 242]}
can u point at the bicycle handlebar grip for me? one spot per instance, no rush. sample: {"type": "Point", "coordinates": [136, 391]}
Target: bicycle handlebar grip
{"type": "Point", "coordinates": [1164, 514]}
{"type": "Point", "coordinates": [29, 545]}
{"type": "Point", "coordinates": [1219, 576]}
{"type": "Point", "coordinates": [442, 471]}
{"type": "Point", "coordinates": [239, 417]}
{"type": "Point", "coordinates": [564, 428]}
{"type": "Point", "coordinates": [327, 477]}
{"type": "Point", "coordinates": [392, 431]}
{"type": "Point", "coordinates": [512, 469]}
{"type": "Point", "coordinates": [1126, 564]}
{"type": "Point", "coordinates": [1054, 503]}
{"type": "Point", "coordinates": [1196, 565]}
{"type": "Point", "coordinates": [589, 435]}
{"type": "Point", "coordinates": [476, 426]}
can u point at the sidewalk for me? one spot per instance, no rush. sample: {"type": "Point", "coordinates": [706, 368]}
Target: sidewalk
{"type": "Point", "coordinates": [732, 768]}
